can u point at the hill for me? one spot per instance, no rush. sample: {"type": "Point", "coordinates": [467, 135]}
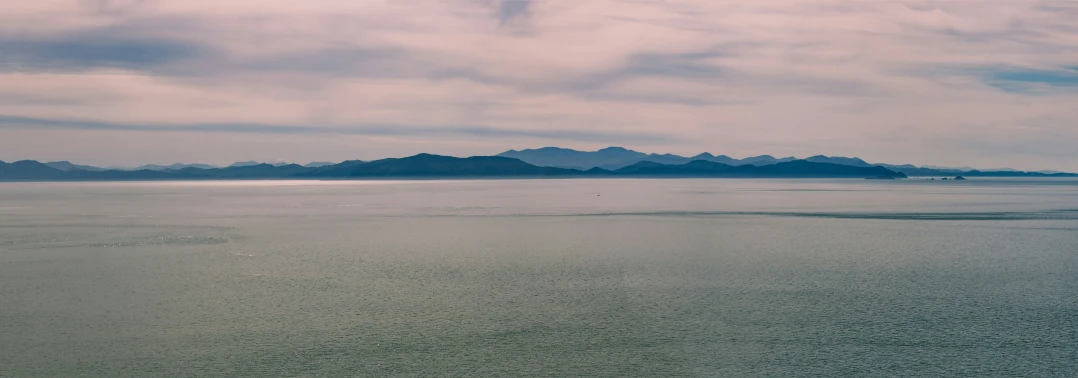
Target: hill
{"type": "Point", "coordinates": [68, 166]}
{"type": "Point", "coordinates": [613, 158]}
{"type": "Point", "coordinates": [691, 169]}
{"type": "Point", "coordinates": [789, 169]}
{"type": "Point", "coordinates": [856, 162]}
{"type": "Point", "coordinates": [427, 165]}
{"type": "Point", "coordinates": [172, 167]}
{"type": "Point", "coordinates": [28, 170]}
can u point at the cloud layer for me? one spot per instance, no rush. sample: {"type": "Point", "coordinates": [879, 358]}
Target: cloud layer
{"type": "Point", "coordinates": [985, 83]}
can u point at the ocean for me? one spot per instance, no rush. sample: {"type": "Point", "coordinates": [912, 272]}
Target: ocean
{"type": "Point", "coordinates": [543, 278]}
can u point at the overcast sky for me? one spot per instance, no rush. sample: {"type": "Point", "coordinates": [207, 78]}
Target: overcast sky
{"type": "Point", "coordinates": [959, 82]}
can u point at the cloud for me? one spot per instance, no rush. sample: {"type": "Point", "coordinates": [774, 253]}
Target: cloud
{"type": "Point", "coordinates": [685, 66]}
{"type": "Point", "coordinates": [1012, 79]}
{"type": "Point", "coordinates": [16, 122]}
{"type": "Point", "coordinates": [90, 51]}
{"type": "Point", "coordinates": [1021, 80]}
{"type": "Point", "coordinates": [509, 9]}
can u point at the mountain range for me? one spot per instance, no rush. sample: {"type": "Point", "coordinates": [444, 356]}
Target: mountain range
{"type": "Point", "coordinates": [612, 158]}
{"type": "Point", "coordinates": [68, 166]}
{"type": "Point", "coordinates": [435, 166]}
{"type": "Point", "coordinates": [536, 163]}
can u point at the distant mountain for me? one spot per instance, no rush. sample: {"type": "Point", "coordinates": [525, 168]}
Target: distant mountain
{"type": "Point", "coordinates": [435, 166]}
{"type": "Point", "coordinates": [172, 167]}
{"type": "Point", "coordinates": [718, 159]}
{"type": "Point", "coordinates": [339, 167]}
{"type": "Point", "coordinates": [316, 164]}
{"type": "Point", "coordinates": [68, 166]}
{"type": "Point", "coordinates": [118, 175]}
{"type": "Point", "coordinates": [692, 168]}
{"type": "Point", "coordinates": [427, 165]}
{"type": "Point", "coordinates": [243, 172]}
{"type": "Point", "coordinates": [856, 162]}
{"type": "Point", "coordinates": [28, 170]}
{"type": "Point", "coordinates": [941, 168]}
{"type": "Point", "coordinates": [661, 159]}
{"type": "Point", "coordinates": [31, 170]}
{"type": "Point", "coordinates": [615, 157]}
{"type": "Point", "coordinates": [900, 166]}
{"type": "Point", "coordinates": [805, 168]}
{"type": "Point", "coordinates": [915, 172]}
{"type": "Point", "coordinates": [788, 169]}
{"type": "Point", "coordinates": [764, 160]}
{"type": "Point", "coordinates": [253, 163]}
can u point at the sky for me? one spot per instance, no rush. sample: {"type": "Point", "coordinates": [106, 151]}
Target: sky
{"type": "Point", "coordinates": [127, 82]}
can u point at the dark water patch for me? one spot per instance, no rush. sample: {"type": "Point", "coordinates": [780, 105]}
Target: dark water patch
{"type": "Point", "coordinates": [988, 216]}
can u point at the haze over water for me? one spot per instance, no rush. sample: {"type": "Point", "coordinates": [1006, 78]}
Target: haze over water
{"type": "Point", "coordinates": [690, 277]}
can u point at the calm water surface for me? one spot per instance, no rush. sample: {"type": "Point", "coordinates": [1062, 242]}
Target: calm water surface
{"type": "Point", "coordinates": [507, 278]}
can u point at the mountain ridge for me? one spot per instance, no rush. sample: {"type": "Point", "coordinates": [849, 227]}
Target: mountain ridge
{"type": "Point", "coordinates": [437, 166]}
{"type": "Point", "coordinates": [612, 163]}
{"type": "Point", "coordinates": [613, 158]}
{"type": "Point", "coordinates": [535, 156]}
